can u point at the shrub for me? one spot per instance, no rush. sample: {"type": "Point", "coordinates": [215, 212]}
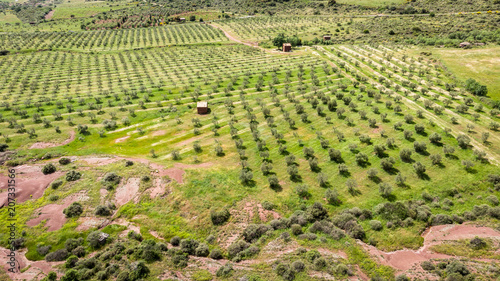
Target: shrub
{"type": "Point", "coordinates": [139, 270]}
{"type": "Point", "coordinates": [72, 244]}
{"type": "Point", "coordinates": [175, 241]}
{"type": "Point", "coordinates": [96, 239]}
{"type": "Point", "coordinates": [267, 205]}
{"type": "Point", "coordinates": [73, 176]}
{"type": "Point", "coordinates": [298, 266]}
{"type": "Point", "coordinates": [376, 225]}
{"type": "Point", "coordinates": [296, 229]}
{"type": "Point", "coordinates": [79, 251]}
{"type": "Point", "coordinates": [111, 179]}
{"type": "Point", "coordinates": [58, 255]}
{"type": "Point", "coordinates": [56, 184]}
{"type": "Point", "coordinates": [493, 200]}
{"type": "Point", "coordinates": [402, 277]}
{"type": "Point", "coordinates": [102, 211]}
{"type": "Point", "coordinates": [48, 169]}
{"type": "Point", "coordinates": [405, 154]}
{"type": "Point", "coordinates": [255, 231]}
{"type": "Point", "coordinates": [74, 210]}
{"type": "Point", "coordinates": [71, 262]}
{"type": "Point", "coordinates": [427, 265]}
{"type": "Point", "coordinates": [385, 189]}
{"type": "Point", "coordinates": [475, 87]}
{"type": "Point", "coordinates": [477, 243]}
{"type": "Point", "coordinates": [216, 254]}
{"type": "Point", "coordinates": [225, 270]}
{"type": "Point", "coordinates": [64, 161]}
{"type": "Point", "coordinates": [302, 190]}
{"type": "Point", "coordinates": [457, 267]}
{"type": "Point", "coordinates": [202, 250]}
{"type": "Point", "coordinates": [189, 246]}
{"type": "Point", "coordinates": [237, 247]}
{"type": "Point", "coordinates": [43, 250]}
{"type": "Point", "coordinates": [440, 219]}
{"type": "Point", "coordinates": [219, 217]}
{"type": "Point", "coordinates": [463, 141]}
{"type": "Point", "coordinates": [332, 197]}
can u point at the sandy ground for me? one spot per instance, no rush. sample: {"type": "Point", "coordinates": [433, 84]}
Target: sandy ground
{"type": "Point", "coordinates": [38, 145]}
{"type": "Point", "coordinates": [53, 213]}
{"type": "Point", "coordinates": [404, 260]}
{"type": "Point", "coordinates": [30, 183]}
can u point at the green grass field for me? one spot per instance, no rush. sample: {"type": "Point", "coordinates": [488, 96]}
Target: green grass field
{"type": "Point", "coordinates": [482, 64]}
{"type": "Point", "coordinates": [8, 18]}
{"type": "Point", "coordinates": [82, 8]}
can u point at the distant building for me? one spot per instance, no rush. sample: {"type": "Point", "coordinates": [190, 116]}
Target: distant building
{"type": "Point", "coordinates": [182, 19]}
{"type": "Point", "coordinates": [287, 47]}
{"type": "Point", "coordinates": [327, 37]}
{"type": "Point", "coordinates": [202, 107]}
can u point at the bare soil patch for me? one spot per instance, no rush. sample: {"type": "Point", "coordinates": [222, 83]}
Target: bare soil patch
{"type": "Point", "coordinates": [49, 15]}
{"type": "Point", "coordinates": [40, 145]}
{"type": "Point", "coordinates": [158, 133]}
{"type": "Point", "coordinates": [91, 222]}
{"type": "Point", "coordinates": [36, 271]}
{"type": "Point", "coordinates": [53, 213]}
{"type": "Point", "coordinates": [173, 173]}
{"type": "Point", "coordinates": [30, 183]}
{"type": "Point", "coordinates": [127, 192]}
{"type": "Point", "coordinates": [122, 139]}
{"type": "Point", "coordinates": [100, 161]}
{"type": "Point", "coordinates": [404, 260]}
{"type": "Point", "coordinates": [158, 188]}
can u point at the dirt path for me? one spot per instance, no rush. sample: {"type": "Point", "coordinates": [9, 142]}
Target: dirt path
{"type": "Point", "coordinates": [39, 145]}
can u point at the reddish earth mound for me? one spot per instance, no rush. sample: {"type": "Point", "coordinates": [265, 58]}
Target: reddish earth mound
{"type": "Point", "coordinates": [39, 145]}
{"type": "Point", "coordinates": [404, 260]}
{"type": "Point", "coordinates": [36, 271]}
{"type": "Point", "coordinates": [53, 213]}
{"type": "Point", "coordinates": [30, 183]}
{"type": "Point", "coordinates": [127, 192]}
{"type": "Point", "coordinates": [101, 161]}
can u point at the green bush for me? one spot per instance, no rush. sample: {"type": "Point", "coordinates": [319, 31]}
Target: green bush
{"type": "Point", "coordinates": [102, 211]}
{"type": "Point", "coordinates": [74, 210]}
{"type": "Point", "coordinates": [73, 176]}
{"type": "Point", "coordinates": [219, 217]}
{"type": "Point", "coordinates": [64, 161]}
{"type": "Point", "coordinates": [56, 184]}
{"type": "Point", "coordinates": [58, 255]}
{"type": "Point", "coordinates": [48, 169]}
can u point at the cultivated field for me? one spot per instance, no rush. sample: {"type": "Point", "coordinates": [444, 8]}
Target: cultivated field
{"type": "Point", "coordinates": [364, 157]}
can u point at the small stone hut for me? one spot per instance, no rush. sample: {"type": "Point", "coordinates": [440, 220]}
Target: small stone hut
{"type": "Point", "coordinates": [327, 37]}
{"type": "Point", "coordinates": [202, 107]}
{"type": "Point", "coordinates": [287, 47]}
